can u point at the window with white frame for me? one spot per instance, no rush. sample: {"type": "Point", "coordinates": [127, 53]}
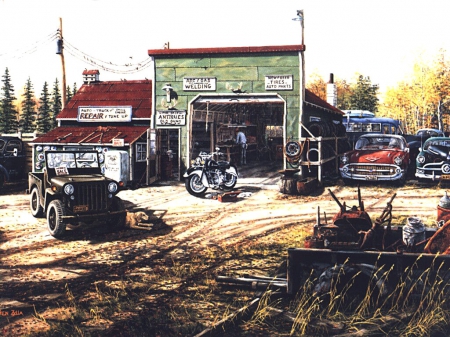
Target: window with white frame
{"type": "Point", "coordinates": [141, 152]}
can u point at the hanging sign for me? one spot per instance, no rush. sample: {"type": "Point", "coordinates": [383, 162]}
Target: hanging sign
{"type": "Point", "coordinates": [171, 117]}
{"type": "Point", "coordinates": [199, 83]}
{"type": "Point", "coordinates": [104, 114]}
{"type": "Point", "coordinates": [279, 82]}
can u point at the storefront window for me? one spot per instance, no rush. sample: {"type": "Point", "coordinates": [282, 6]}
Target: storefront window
{"type": "Point", "coordinates": [141, 152]}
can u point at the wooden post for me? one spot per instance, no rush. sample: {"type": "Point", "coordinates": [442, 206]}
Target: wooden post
{"type": "Point", "coordinates": [64, 96]}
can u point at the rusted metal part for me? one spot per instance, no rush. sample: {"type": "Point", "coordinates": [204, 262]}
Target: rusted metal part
{"type": "Point", "coordinates": [440, 241]}
{"type": "Point", "coordinates": [227, 196]}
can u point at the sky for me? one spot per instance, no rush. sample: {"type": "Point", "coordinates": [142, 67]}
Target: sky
{"type": "Point", "coordinates": [381, 39]}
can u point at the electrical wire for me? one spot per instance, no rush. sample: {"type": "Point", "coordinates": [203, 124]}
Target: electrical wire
{"type": "Point", "coordinates": [128, 68]}
{"type": "Point", "coordinates": [21, 52]}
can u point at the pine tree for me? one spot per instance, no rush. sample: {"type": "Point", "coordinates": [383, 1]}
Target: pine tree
{"type": "Point", "coordinates": [8, 117]}
{"type": "Point", "coordinates": [56, 103]}
{"type": "Point", "coordinates": [28, 117]}
{"type": "Point", "coordinates": [74, 89]}
{"type": "Point", "coordinates": [68, 94]}
{"type": "Point", "coordinates": [364, 95]}
{"type": "Point", "coordinates": [44, 120]}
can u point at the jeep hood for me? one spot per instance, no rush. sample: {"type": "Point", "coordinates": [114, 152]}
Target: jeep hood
{"type": "Point", "coordinates": [91, 178]}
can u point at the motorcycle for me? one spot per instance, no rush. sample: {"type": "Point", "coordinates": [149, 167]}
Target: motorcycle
{"type": "Point", "coordinates": [206, 172]}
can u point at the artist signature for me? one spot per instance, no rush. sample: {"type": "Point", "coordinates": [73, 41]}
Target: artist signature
{"type": "Point", "coordinates": [12, 313]}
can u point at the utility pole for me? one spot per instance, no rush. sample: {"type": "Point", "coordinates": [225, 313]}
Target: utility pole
{"type": "Point", "coordinates": [60, 51]}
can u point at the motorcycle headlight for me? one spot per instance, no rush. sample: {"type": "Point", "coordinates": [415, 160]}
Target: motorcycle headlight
{"type": "Point", "coordinates": [398, 160]}
{"type": "Point", "coordinates": [69, 189]}
{"type": "Point", "coordinates": [112, 187]}
{"type": "Point", "coordinates": [421, 159]}
{"type": "Point", "coordinates": [344, 159]}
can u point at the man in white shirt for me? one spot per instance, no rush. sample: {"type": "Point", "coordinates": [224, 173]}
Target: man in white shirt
{"type": "Point", "coordinates": [241, 140]}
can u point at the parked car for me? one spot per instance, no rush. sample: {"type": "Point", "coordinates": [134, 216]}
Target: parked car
{"type": "Point", "coordinates": [416, 141]}
{"type": "Point", "coordinates": [73, 190]}
{"type": "Point", "coordinates": [433, 160]}
{"type": "Point", "coordinates": [12, 159]}
{"type": "Point", "coordinates": [376, 157]}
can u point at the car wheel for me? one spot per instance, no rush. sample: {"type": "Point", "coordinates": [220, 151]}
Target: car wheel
{"type": "Point", "coordinates": [55, 213]}
{"type": "Point", "coordinates": [35, 203]}
{"type": "Point", "coordinates": [2, 180]}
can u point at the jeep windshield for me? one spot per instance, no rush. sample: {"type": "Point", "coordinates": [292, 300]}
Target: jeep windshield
{"type": "Point", "coordinates": [77, 160]}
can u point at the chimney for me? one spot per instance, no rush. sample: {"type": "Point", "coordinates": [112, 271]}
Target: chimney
{"type": "Point", "coordinates": [331, 91]}
{"type": "Point", "coordinates": [91, 76]}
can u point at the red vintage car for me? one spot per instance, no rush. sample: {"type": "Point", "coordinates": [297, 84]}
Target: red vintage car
{"type": "Point", "coordinates": [376, 157]}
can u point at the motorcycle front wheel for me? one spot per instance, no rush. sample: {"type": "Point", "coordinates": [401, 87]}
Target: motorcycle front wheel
{"type": "Point", "coordinates": [194, 185]}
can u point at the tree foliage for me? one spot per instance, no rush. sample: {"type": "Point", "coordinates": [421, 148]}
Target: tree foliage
{"type": "Point", "coordinates": [361, 95]}
{"type": "Point", "coordinates": [56, 103]}
{"type": "Point", "coordinates": [44, 120]}
{"type": "Point", "coordinates": [28, 115]}
{"type": "Point", "coordinates": [8, 113]}
{"type": "Point", "coordinates": [424, 100]}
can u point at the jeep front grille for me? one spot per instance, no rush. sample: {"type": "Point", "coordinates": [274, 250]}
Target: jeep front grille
{"type": "Point", "coordinates": [94, 195]}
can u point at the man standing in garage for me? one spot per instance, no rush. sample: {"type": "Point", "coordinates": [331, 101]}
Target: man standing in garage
{"type": "Point", "coordinates": [241, 140]}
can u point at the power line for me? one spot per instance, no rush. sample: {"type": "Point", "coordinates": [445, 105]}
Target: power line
{"type": "Point", "coordinates": [21, 52]}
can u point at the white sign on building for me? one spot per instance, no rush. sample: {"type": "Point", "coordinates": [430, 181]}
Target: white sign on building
{"type": "Point", "coordinates": [279, 82]}
{"type": "Point", "coordinates": [199, 83]}
{"type": "Point", "coordinates": [171, 117]}
{"type": "Point", "coordinates": [104, 113]}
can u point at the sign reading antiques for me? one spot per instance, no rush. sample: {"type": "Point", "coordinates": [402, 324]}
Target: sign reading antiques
{"type": "Point", "coordinates": [104, 113]}
{"type": "Point", "coordinates": [199, 83]}
{"type": "Point", "coordinates": [171, 117]}
{"type": "Point", "coordinates": [279, 82]}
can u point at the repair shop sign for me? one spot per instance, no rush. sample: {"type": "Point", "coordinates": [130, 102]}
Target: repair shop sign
{"type": "Point", "coordinates": [171, 117]}
{"type": "Point", "coordinates": [104, 114]}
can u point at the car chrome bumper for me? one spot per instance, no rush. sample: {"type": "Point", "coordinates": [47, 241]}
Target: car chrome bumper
{"type": "Point", "coordinates": [372, 172]}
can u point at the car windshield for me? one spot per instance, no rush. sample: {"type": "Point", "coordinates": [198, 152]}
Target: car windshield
{"type": "Point", "coordinates": [371, 142]}
{"type": "Point", "coordinates": [72, 159]}
{"type": "Point", "coordinates": [443, 144]}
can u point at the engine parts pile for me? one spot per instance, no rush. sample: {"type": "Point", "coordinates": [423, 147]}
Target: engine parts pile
{"type": "Point", "coordinates": [353, 229]}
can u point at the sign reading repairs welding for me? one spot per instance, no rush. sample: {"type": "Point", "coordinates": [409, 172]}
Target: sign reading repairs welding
{"type": "Point", "coordinates": [104, 114]}
{"type": "Point", "coordinates": [279, 82]}
{"type": "Point", "coordinates": [199, 83]}
{"type": "Point", "coordinates": [171, 117]}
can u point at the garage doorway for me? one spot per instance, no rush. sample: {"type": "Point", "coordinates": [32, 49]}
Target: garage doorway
{"type": "Point", "coordinates": [214, 119]}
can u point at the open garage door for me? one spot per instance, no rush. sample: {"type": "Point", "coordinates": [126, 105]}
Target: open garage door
{"type": "Point", "coordinates": [215, 118]}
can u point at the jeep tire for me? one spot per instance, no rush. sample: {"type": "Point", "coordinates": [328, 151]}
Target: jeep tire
{"type": "Point", "coordinates": [55, 213]}
{"type": "Point", "coordinates": [117, 221]}
{"type": "Point", "coordinates": [35, 203]}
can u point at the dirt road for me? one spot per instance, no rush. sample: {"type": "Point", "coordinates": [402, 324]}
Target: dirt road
{"type": "Point", "coordinates": [35, 268]}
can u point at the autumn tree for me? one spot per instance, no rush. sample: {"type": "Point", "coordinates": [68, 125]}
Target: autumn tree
{"type": "Point", "coordinates": [56, 103]}
{"type": "Point", "coordinates": [44, 120]}
{"type": "Point", "coordinates": [8, 113]}
{"type": "Point", "coordinates": [317, 86]}
{"type": "Point", "coordinates": [28, 116]}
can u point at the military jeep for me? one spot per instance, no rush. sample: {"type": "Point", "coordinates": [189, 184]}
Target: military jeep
{"type": "Point", "coordinates": [72, 190]}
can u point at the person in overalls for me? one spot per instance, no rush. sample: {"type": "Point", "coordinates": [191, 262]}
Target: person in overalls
{"type": "Point", "coordinates": [241, 140]}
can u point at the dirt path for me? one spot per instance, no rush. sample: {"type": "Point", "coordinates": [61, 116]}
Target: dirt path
{"type": "Point", "coordinates": [35, 267]}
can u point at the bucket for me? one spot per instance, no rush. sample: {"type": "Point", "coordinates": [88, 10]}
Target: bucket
{"type": "Point", "coordinates": [413, 231]}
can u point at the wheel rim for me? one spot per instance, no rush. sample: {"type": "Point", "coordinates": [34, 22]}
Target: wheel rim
{"type": "Point", "coordinates": [231, 182]}
{"type": "Point", "coordinates": [196, 184]}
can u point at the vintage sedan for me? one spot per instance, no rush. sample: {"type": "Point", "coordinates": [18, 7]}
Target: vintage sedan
{"type": "Point", "coordinates": [433, 161]}
{"type": "Point", "coordinates": [376, 157]}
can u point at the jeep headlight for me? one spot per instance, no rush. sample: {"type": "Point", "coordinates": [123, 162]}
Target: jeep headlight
{"type": "Point", "coordinates": [69, 189]}
{"type": "Point", "coordinates": [398, 160]}
{"type": "Point", "coordinates": [344, 160]}
{"type": "Point", "coordinates": [112, 187]}
{"type": "Point", "coordinates": [420, 159]}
